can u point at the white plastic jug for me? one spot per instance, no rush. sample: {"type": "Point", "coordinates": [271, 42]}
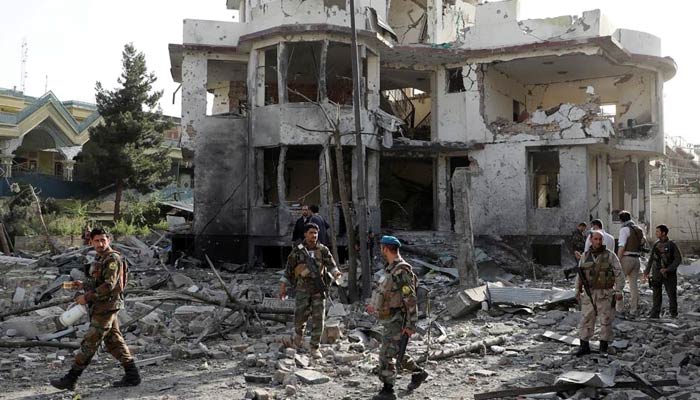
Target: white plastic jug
{"type": "Point", "coordinates": [72, 314]}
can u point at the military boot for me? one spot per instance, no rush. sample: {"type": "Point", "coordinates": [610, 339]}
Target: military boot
{"type": "Point", "coordinates": [584, 349]}
{"type": "Point", "coordinates": [417, 379]}
{"type": "Point", "coordinates": [131, 376]}
{"type": "Point", "coordinates": [69, 381]}
{"type": "Point", "coordinates": [604, 348]}
{"type": "Point", "coordinates": [387, 393]}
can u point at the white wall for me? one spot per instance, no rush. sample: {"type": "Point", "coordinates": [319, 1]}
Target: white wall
{"type": "Point", "coordinates": [680, 212]}
{"type": "Point", "coordinates": [499, 92]}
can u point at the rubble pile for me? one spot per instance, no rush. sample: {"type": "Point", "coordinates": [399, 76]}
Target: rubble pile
{"type": "Point", "coordinates": [194, 320]}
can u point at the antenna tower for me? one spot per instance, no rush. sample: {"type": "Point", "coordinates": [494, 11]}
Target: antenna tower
{"type": "Point", "coordinates": [23, 70]}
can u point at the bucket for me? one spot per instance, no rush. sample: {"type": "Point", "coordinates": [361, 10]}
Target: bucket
{"type": "Point", "coordinates": [72, 315]}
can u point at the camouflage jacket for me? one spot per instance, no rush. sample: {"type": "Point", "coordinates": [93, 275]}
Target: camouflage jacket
{"type": "Point", "coordinates": [296, 272]}
{"type": "Point", "coordinates": [664, 254]}
{"type": "Point", "coordinates": [104, 288]}
{"type": "Point", "coordinates": [578, 241]}
{"type": "Point", "coordinates": [396, 295]}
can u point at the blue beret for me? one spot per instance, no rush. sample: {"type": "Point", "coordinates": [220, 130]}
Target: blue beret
{"type": "Point", "coordinates": [391, 240]}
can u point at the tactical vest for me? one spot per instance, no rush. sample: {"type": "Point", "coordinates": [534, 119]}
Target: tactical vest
{"type": "Point", "coordinates": [600, 273]}
{"type": "Point", "coordinates": [116, 297]}
{"type": "Point", "coordinates": [634, 241]}
{"type": "Point", "coordinates": [302, 273]}
{"type": "Point", "coordinates": [389, 297]}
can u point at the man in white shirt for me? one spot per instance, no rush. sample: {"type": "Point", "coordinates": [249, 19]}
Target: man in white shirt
{"type": "Point", "coordinates": [608, 239]}
{"type": "Point", "coordinates": [630, 244]}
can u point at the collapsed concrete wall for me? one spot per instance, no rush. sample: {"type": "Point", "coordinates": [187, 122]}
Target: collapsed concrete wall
{"type": "Point", "coordinates": [680, 212]}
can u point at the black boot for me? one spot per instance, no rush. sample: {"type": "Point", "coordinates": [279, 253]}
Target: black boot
{"type": "Point", "coordinates": [387, 393]}
{"type": "Point", "coordinates": [131, 376]}
{"type": "Point", "coordinates": [417, 379]}
{"type": "Point", "coordinates": [584, 349]}
{"type": "Point", "coordinates": [69, 381]}
{"type": "Point", "coordinates": [604, 348]}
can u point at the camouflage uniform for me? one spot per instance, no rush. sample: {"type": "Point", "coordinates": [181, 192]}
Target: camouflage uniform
{"type": "Point", "coordinates": [395, 302]}
{"type": "Point", "coordinates": [603, 273]}
{"type": "Point", "coordinates": [578, 241]}
{"type": "Point", "coordinates": [309, 301]}
{"type": "Point", "coordinates": [664, 254]}
{"type": "Point", "coordinates": [104, 291]}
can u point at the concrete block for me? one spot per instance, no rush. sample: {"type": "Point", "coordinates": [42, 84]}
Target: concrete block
{"type": "Point", "coordinates": [19, 295]}
{"type": "Point", "coordinates": [180, 280]}
{"type": "Point", "coordinates": [311, 377]}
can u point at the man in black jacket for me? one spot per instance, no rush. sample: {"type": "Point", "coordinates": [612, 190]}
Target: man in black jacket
{"type": "Point", "coordinates": [661, 272]}
{"type": "Point", "coordinates": [305, 218]}
{"type": "Point", "coordinates": [323, 226]}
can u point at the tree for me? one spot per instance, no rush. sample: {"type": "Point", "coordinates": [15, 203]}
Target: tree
{"type": "Point", "coordinates": [125, 150]}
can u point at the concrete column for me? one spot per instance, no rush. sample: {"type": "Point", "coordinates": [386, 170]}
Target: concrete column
{"type": "Point", "coordinates": [644, 193]}
{"type": "Point", "coordinates": [68, 166]}
{"type": "Point", "coordinates": [434, 14]}
{"type": "Point", "coordinates": [372, 81]}
{"type": "Point", "coordinates": [323, 179]}
{"type": "Point", "coordinates": [441, 197]}
{"type": "Point", "coordinates": [466, 265]}
{"type": "Point", "coordinates": [194, 96]}
{"type": "Point", "coordinates": [373, 160]}
{"type": "Point", "coordinates": [6, 165]}
{"type": "Point", "coordinates": [282, 66]}
{"type": "Point", "coordinates": [355, 162]}
{"type": "Point", "coordinates": [637, 200]}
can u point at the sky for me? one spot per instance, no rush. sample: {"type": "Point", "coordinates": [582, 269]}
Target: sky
{"type": "Point", "coordinates": [74, 43]}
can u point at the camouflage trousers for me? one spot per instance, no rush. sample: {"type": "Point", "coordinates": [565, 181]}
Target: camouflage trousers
{"type": "Point", "coordinates": [603, 301]}
{"type": "Point", "coordinates": [103, 327]}
{"type": "Point", "coordinates": [390, 350]}
{"type": "Point", "coordinates": [312, 306]}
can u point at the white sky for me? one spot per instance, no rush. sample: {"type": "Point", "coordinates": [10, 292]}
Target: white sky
{"type": "Point", "coordinates": [79, 42]}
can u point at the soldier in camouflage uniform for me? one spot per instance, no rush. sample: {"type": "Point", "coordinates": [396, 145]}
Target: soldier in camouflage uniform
{"type": "Point", "coordinates": [310, 302]}
{"type": "Point", "coordinates": [104, 295]}
{"type": "Point", "coordinates": [661, 272]}
{"type": "Point", "coordinates": [394, 303]}
{"type": "Point", "coordinates": [578, 244]}
{"type": "Point", "coordinates": [604, 277]}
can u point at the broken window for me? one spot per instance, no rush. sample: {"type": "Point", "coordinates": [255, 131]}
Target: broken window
{"type": "Point", "coordinates": [544, 169]}
{"type": "Point", "coordinates": [271, 83]}
{"type": "Point", "coordinates": [303, 71]}
{"type": "Point", "coordinates": [455, 80]}
{"type": "Point", "coordinates": [406, 191]}
{"type": "Point", "coordinates": [339, 73]}
{"type": "Point", "coordinates": [608, 111]}
{"type": "Point", "coordinates": [519, 111]}
{"type": "Point", "coordinates": [301, 175]}
{"type": "Point", "coordinates": [546, 254]}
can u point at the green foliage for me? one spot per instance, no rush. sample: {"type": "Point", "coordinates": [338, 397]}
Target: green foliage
{"type": "Point", "coordinates": [122, 227]}
{"type": "Point", "coordinates": [142, 212]}
{"type": "Point", "coordinates": [65, 225]}
{"type": "Point", "coordinates": [126, 148]}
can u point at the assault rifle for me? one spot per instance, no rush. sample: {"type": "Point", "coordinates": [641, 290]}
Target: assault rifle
{"type": "Point", "coordinates": [586, 287]}
{"type": "Point", "coordinates": [403, 343]}
{"type": "Point", "coordinates": [321, 282]}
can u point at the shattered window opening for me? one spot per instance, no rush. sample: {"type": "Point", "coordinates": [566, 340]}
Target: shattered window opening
{"type": "Point", "coordinates": [544, 169]}
{"type": "Point", "coordinates": [303, 71]}
{"type": "Point", "coordinates": [271, 84]}
{"type": "Point", "coordinates": [455, 80]}
{"type": "Point", "coordinates": [608, 111]}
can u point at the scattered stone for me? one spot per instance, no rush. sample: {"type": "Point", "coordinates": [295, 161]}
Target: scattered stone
{"type": "Point", "coordinates": [311, 377]}
{"type": "Point", "coordinates": [290, 390]}
{"type": "Point", "coordinates": [255, 378]}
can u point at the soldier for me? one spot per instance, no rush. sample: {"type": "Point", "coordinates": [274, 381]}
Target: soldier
{"type": "Point", "coordinates": [600, 273]}
{"type": "Point", "coordinates": [663, 263]}
{"type": "Point", "coordinates": [395, 306]}
{"type": "Point", "coordinates": [578, 243]}
{"type": "Point", "coordinates": [310, 299]}
{"type": "Point", "coordinates": [104, 295]}
{"type": "Point", "coordinates": [630, 246]}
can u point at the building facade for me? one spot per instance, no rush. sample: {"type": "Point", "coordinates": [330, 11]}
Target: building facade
{"type": "Point", "coordinates": [556, 119]}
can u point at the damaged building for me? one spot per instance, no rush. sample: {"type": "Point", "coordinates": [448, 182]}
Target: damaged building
{"type": "Point", "coordinates": [554, 119]}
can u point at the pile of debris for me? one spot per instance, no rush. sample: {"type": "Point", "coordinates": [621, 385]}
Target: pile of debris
{"type": "Point", "coordinates": [501, 339]}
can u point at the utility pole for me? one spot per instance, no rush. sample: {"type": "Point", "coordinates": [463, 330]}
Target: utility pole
{"type": "Point", "coordinates": [359, 154]}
